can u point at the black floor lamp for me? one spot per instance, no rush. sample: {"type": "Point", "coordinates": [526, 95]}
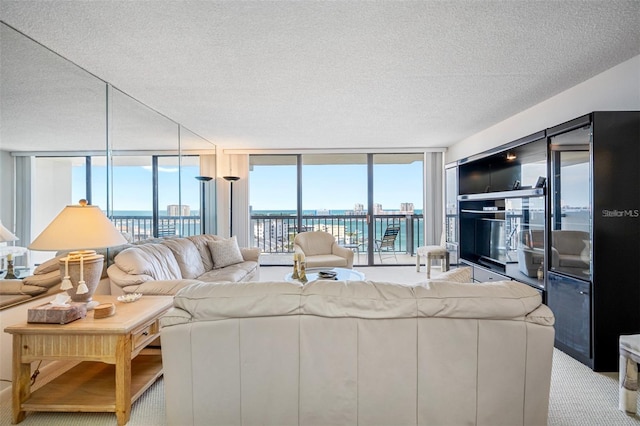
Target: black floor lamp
{"type": "Point", "coordinates": [231, 179]}
{"type": "Point", "coordinates": [203, 180]}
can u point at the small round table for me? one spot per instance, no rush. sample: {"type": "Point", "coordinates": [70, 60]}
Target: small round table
{"type": "Point", "coordinates": [342, 274]}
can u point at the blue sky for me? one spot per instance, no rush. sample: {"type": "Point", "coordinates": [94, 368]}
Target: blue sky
{"type": "Point", "coordinates": [332, 187]}
{"type": "Point", "coordinates": [335, 187]}
{"type": "Point", "coordinates": [132, 186]}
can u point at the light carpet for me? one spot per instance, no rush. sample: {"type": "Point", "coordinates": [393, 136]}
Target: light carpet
{"type": "Point", "coordinates": [578, 395]}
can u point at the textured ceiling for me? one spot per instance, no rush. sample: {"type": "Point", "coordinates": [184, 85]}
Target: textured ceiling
{"type": "Point", "coordinates": [332, 74]}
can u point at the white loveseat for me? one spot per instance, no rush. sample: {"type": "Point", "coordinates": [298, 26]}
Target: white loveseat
{"type": "Point", "coordinates": [357, 353]}
{"type": "Point", "coordinates": [165, 265]}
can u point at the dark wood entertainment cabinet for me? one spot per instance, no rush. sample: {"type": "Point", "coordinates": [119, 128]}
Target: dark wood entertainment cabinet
{"type": "Point", "coordinates": [559, 210]}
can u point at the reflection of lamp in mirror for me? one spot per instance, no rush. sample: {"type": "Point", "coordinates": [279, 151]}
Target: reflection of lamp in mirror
{"type": "Point", "coordinates": [79, 228]}
{"type": "Point", "coordinates": [9, 251]}
{"type": "Point", "coordinates": [203, 180]}
{"type": "Point", "coordinates": [231, 179]}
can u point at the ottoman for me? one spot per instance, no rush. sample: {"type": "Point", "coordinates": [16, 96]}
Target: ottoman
{"type": "Point", "coordinates": [430, 253]}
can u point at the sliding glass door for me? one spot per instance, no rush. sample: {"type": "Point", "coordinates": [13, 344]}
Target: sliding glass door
{"type": "Point", "coordinates": [397, 225]}
{"type": "Point", "coordinates": [334, 199]}
{"type": "Point", "coordinates": [355, 197]}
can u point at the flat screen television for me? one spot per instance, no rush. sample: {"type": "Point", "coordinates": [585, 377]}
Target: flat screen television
{"type": "Point", "coordinates": [490, 241]}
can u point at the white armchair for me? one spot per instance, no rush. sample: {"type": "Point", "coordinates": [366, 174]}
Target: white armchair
{"type": "Point", "coordinates": [320, 249]}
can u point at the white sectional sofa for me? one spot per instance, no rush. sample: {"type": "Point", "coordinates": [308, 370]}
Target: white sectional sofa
{"type": "Point", "coordinates": [164, 266]}
{"type": "Point", "coordinates": [357, 353]}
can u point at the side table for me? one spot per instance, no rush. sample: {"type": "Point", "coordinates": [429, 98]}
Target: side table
{"type": "Point", "coordinates": [111, 375]}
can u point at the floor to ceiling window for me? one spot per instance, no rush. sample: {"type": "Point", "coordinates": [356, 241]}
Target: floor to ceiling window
{"type": "Point", "coordinates": [335, 193]}
{"type": "Point", "coordinates": [274, 202]}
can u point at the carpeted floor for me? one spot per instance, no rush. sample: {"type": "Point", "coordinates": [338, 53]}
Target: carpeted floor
{"type": "Point", "coordinates": [578, 395]}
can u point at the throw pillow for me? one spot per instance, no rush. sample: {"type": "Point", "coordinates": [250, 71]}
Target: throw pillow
{"type": "Point", "coordinates": [457, 275]}
{"type": "Point", "coordinates": [225, 252]}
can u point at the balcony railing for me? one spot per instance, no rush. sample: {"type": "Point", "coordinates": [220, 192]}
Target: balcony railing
{"type": "Point", "coordinates": [275, 234]}
{"type": "Point", "coordinates": [141, 227]}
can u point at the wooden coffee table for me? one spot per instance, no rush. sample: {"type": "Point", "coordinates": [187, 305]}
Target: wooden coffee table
{"type": "Point", "coordinates": [113, 372]}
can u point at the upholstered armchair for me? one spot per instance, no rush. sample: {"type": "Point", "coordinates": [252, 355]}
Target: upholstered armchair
{"type": "Point", "coordinates": [530, 251]}
{"type": "Point", "coordinates": [321, 250]}
{"type": "Point", "coordinates": [571, 252]}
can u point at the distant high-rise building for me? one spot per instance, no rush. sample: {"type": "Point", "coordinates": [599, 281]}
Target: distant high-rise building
{"type": "Point", "coordinates": [377, 208]}
{"type": "Point", "coordinates": [357, 207]}
{"type": "Point", "coordinates": [174, 210]}
{"type": "Point", "coordinates": [406, 208]}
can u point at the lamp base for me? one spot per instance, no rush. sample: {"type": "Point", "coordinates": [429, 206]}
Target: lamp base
{"type": "Point", "coordinates": [82, 266]}
{"type": "Point", "coordinates": [10, 273]}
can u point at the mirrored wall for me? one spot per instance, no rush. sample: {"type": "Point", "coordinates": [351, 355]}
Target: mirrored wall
{"type": "Point", "coordinates": [66, 134]}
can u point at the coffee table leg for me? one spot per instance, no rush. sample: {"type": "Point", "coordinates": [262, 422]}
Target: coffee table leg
{"type": "Point", "coordinates": [123, 380]}
{"type": "Point", "coordinates": [21, 387]}
{"type": "Point", "coordinates": [417, 262]}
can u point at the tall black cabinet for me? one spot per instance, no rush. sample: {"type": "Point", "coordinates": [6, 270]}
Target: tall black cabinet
{"type": "Point", "coordinates": [560, 210]}
{"type": "Point", "coordinates": [593, 276]}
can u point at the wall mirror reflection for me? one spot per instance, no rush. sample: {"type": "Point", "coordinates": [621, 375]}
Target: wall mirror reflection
{"type": "Point", "coordinates": [65, 134]}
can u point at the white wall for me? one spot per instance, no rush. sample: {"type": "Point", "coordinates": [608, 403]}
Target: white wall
{"type": "Point", "coordinates": [617, 89]}
{"type": "Point", "coordinates": [6, 189]}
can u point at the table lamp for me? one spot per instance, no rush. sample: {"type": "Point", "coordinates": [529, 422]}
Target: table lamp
{"type": "Point", "coordinates": [9, 251]}
{"type": "Point", "coordinates": [81, 229]}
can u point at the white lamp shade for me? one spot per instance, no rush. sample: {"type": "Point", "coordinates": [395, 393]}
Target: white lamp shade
{"type": "Point", "coordinates": [78, 227]}
{"type": "Point", "coordinates": [6, 235]}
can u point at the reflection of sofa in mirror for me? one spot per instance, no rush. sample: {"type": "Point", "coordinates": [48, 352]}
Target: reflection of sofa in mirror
{"type": "Point", "coordinates": [571, 252]}
{"type": "Point", "coordinates": [46, 279]}
{"type": "Point", "coordinates": [530, 251]}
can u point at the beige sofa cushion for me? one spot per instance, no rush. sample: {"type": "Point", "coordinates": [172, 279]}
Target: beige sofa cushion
{"type": "Point", "coordinates": [225, 252]}
{"type": "Point", "coordinates": [18, 287]}
{"type": "Point", "coordinates": [50, 265]}
{"type": "Point", "coordinates": [243, 271]}
{"type": "Point", "coordinates": [360, 299]}
{"type": "Point", "coordinates": [154, 260]}
{"type": "Point", "coordinates": [201, 242]}
{"type": "Point", "coordinates": [47, 280]}
{"type": "Point", "coordinates": [159, 288]}
{"type": "Point", "coordinates": [457, 275]}
{"type": "Point", "coordinates": [187, 256]}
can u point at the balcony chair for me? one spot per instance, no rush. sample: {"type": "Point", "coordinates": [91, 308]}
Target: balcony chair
{"type": "Point", "coordinates": [320, 249]}
{"type": "Point", "coordinates": [388, 242]}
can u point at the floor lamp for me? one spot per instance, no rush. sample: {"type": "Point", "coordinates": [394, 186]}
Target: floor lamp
{"type": "Point", "coordinates": [203, 180]}
{"type": "Point", "coordinates": [231, 179]}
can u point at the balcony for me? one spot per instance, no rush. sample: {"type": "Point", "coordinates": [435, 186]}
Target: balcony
{"type": "Point", "coordinates": [274, 234]}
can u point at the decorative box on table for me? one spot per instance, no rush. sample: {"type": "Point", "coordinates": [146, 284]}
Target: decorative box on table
{"type": "Point", "coordinates": [50, 314]}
